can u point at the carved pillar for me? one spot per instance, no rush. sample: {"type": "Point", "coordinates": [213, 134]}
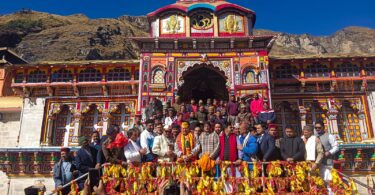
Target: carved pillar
{"type": "Point", "coordinates": [73, 132]}
{"type": "Point", "coordinates": [333, 106]}
{"type": "Point", "coordinates": [48, 140]}
{"type": "Point", "coordinates": [358, 159]}
{"type": "Point", "coordinates": [362, 125]}
{"type": "Point", "coordinates": [105, 118]}
{"type": "Point", "coordinates": [21, 163]}
{"type": "Point", "coordinates": [216, 26]}
{"type": "Point", "coordinates": [302, 114]}
{"type": "Point", "coordinates": [36, 167]}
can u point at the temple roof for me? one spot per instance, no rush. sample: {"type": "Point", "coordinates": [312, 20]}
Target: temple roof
{"type": "Point", "coordinates": [187, 6]}
{"type": "Point", "coordinates": [82, 62]}
{"type": "Point", "coordinates": [321, 56]}
{"type": "Point", "coordinates": [8, 56]}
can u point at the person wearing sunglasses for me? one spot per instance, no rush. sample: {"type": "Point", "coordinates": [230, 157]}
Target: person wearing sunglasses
{"type": "Point", "coordinates": [330, 146]}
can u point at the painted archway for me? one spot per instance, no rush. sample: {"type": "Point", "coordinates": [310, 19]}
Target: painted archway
{"type": "Point", "coordinates": [203, 81]}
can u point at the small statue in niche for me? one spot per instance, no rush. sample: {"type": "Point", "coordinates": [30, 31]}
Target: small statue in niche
{"type": "Point", "coordinates": [173, 25]}
{"type": "Point", "coordinates": [231, 24]}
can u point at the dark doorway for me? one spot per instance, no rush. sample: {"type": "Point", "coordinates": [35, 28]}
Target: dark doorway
{"type": "Point", "coordinates": [202, 83]}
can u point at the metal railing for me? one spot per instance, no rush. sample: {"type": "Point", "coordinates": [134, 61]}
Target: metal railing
{"type": "Point", "coordinates": [370, 189]}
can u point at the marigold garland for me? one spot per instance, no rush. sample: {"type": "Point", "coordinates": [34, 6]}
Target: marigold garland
{"type": "Point", "coordinates": [282, 177]}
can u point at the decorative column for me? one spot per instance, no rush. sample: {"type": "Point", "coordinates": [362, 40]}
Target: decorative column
{"type": "Point", "coordinates": [55, 108]}
{"type": "Point", "coordinates": [333, 105]}
{"type": "Point", "coordinates": [105, 118]}
{"type": "Point", "coordinates": [302, 115]}
{"type": "Point", "coordinates": [358, 159]}
{"type": "Point", "coordinates": [36, 166]}
{"type": "Point", "coordinates": [73, 131]}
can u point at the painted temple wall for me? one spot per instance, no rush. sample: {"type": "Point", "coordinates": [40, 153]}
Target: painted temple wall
{"type": "Point", "coordinates": [371, 106]}
{"type": "Point", "coordinates": [31, 122]}
{"type": "Point", "coordinates": [9, 129]}
{"type": "Point", "coordinates": [17, 185]}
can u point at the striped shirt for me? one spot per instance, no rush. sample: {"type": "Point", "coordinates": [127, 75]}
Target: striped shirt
{"type": "Point", "coordinates": [209, 143]}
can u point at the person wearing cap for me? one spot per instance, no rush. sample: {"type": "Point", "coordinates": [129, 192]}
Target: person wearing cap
{"type": "Point", "coordinates": [111, 152]}
{"type": "Point", "coordinates": [164, 146]}
{"type": "Point", "coordinates": [147, 141]}
{"type": "Point", "coordinates": [63, 171]}
{"type": "Point", "coordinates": [186, 147]}
{"type": "Point", "coordinates": [314, 148]}
{"type": "Point", "coordinates": [85, 159]}
{"type": "Point", "coordinates": [243, 116]}
{"type": "Point", "coordinates": [267, 116]}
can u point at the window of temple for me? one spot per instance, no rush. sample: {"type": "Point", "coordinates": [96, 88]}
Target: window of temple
{"type": "Point", "coordinates": [370, 69]}
{"type": "Point", "coordinates": [119, 74]}
{"type": "Point", "coordinates": [347, 70]}
{"type": "Point", "coordinates": [249, 76]}
{"type": "Point", "coordinates": [90, 120]}
{"type": "Point", "coordinates": [158, 76]}
{"type": "Point", "coordinates": [121, 116]}
{"type": "Point", "coordinates": [286, 116]}
{"type": "Point", "coordinates": [19, 77]}
{"type": "Point", "coordinates": [316, 113]}
{"type": "Point", "coordinates": [136, 74]}
{"type": "Point", "coordinates": [348, 124]}
{"type": "Point", "coordinates": [60, 124]}
{"type": "Point", "coordinates": [89, 74]}
{"type": "Point", "coordinates": [317, 70]}
{"type": "Point", "coordinates": [286, 71]}
{"type": "Point", "coordinates": [37, 76]}
{"type": "Point", "coordinates": [62, 75]}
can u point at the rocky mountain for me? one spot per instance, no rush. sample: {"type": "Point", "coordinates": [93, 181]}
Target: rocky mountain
{"type": "Point", "coordinates": [38, 36]}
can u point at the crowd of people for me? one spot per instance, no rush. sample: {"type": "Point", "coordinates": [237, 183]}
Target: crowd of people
{"type": "Point", "coordinates": [233, 131]}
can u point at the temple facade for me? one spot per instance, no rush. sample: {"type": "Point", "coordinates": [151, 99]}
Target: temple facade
{"type": "Point", "coordinates": [196, 49]}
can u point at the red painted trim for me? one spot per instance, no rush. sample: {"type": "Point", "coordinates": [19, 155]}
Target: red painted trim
{"type": "Point", "coordinates": [231, 5]}
{"type": "Point", "coordinates": [173, 35]}
{"type": "Point", "coordinates": [166, 8]}
{"type": "Point", "coordinates": [251, 87]}
{"type": "Point", "coordinates": [226, 34]}
{"type": "Point", "coordinates": [202, 34]}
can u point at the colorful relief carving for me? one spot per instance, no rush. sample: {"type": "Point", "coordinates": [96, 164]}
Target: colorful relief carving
{"type": "Point", "coordinates": [173, 24]}
{"type": "Point", "coordinates": [231, 23]}
{"type": "Point", "coordinates": [222, 65]}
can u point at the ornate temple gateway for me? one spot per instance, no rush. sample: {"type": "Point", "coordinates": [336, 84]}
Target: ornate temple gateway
{"type": "Point", "coordinates": [196, 49]}
{"type": "Point", "coordinates": [203, 50]}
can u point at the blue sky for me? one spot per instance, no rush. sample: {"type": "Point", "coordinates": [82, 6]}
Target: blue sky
{"type": "Point", "coordinates": [317, 17]}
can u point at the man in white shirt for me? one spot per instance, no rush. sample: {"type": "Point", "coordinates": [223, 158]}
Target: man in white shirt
{"type": "Point", "coordinates": [331, 147]}
{"type": "Point", "coordinates": [314, 149]}
{"type": "Point", "coordinates": [147, 141]}
{"type": "Point", "coordinates": [164, 146]}
{"type": "Point", "coordinates": [133, 151]}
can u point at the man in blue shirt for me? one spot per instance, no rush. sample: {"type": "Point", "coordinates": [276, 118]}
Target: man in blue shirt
{"type": "Point", "coordinates": [247, 144]}
{"type": "Point", "coordinates": [63, 171]}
